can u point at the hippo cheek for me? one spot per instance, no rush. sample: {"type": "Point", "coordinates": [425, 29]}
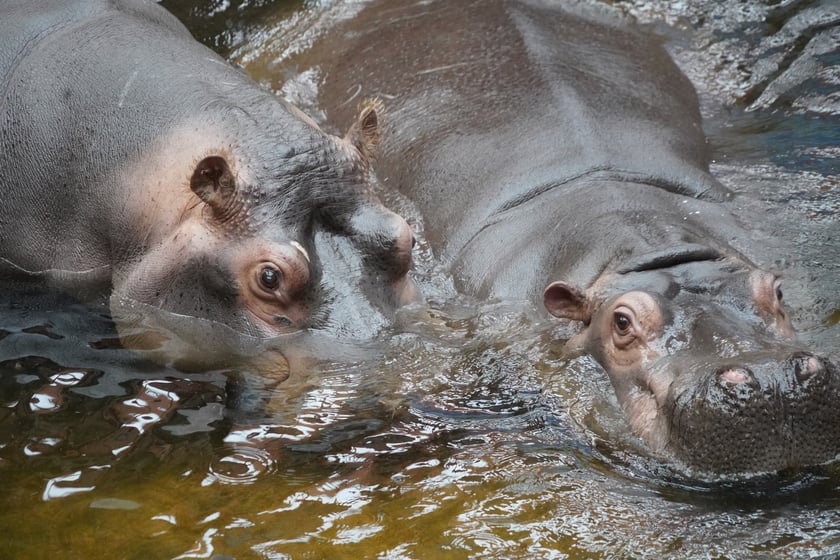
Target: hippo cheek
{"type": "Point", "coordinates": [181, 275]}
{"type": "Point", "coordinates": [642, 390]}
{"type": "Point", "coordinates": [271, 365]}
{"type": "Point", "coordinates": [643, 410]}
{"type": "Point", "coordinates": [274, 316]}
{"type": "Point", "coordinates": [623, 336]}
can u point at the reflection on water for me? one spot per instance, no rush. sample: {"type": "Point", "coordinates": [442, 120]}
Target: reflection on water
{"type": "Point", "coordinates": [472, 434]}
{"type": "Point", "coordinates": [463, 432]}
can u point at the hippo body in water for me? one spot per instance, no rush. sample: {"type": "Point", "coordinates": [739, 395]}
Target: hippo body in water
{"type": "Point", "coordinates": [560, 157]}
{"type": "Point", "coordinates": [139, 163]}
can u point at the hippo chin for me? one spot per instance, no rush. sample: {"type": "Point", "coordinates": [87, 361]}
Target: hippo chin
{"type": "Point", "coordinates": [558, 155]}
{"type": "Point", "coordinates": [137, 161]}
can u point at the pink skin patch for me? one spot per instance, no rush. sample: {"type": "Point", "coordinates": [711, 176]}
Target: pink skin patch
{"type": "Point", "coordinates": [811, 368]}
{"type": "Point", "coordinates": [736, 376]}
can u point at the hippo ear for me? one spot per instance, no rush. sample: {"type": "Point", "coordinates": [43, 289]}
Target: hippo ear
{"type": "Point", "coordinates": [213, 182]}
{"type": "Point", "coordinates": [367, 130]}
{"type": "Point", "coordinates": [566, 302]}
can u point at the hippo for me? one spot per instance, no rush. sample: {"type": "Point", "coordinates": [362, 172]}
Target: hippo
{"type": "Point", "coordinates": [556, 154]}
{"type": "Point", "coordinates": [138, 164]}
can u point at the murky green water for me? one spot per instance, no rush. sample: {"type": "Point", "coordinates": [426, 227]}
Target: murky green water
{"type": "Point", "coordinates": [462, 432]}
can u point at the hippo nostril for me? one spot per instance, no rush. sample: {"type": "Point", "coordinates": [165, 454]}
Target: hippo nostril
{"type": "Point", "coordinates": [734, 376]}
{"type": "Point", "coordinates": [737, 386]}
{"type": "Point", "coordinates": [806, 367]}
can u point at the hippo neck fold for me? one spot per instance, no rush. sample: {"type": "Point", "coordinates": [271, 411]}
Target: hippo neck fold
{"type": "Point", "coordinates": [615, 231]}
{"type": "Point", "coordinates": [703, 186]}
{"type": "Point", "coordinates": [669, 257]}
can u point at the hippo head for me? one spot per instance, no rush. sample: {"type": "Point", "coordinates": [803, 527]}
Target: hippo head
{"type": "Point", "coordinates": [241, 250]}
{"type": "Point", "coordinates": [703, 359]}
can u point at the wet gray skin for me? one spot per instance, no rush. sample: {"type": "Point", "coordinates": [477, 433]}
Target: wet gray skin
{"type": "Point", "coordinates": [559, 157]}
{"type": "Point", "coordinates": [138, 163]}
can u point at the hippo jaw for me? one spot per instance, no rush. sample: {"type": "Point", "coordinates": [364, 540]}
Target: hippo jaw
{"type": "Point", "coordinates": [709, 376]}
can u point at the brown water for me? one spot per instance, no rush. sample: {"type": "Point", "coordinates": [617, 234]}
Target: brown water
{"type": "Point", "coordinates": [463, 431]}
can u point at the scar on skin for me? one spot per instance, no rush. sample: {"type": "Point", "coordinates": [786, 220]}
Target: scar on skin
{"type": "Point", "coordinates": [353, 96]}
{"type": "Point", "coordinates": [300, 248]}
{"type": "Point", "coordinates": [47, 271]}
{"type": "Point", "coordinates": [442, 68]}
{"type": "Point", "coordinates": [126, 87]}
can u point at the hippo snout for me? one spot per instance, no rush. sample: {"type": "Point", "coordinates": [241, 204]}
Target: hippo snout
{"type": "Point", "coordinates": [760, 415]}
{"type": "Point", "coordinates": [798, 372]}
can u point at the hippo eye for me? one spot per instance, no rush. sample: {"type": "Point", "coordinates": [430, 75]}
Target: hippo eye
{"type": "Point", "coordinates": [622, 323]}
{"type": "Point", "coordinates": [779, 294]}
{"type": "Point", "coordinates": [270, 278]}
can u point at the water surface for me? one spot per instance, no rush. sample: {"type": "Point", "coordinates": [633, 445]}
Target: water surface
{"type": "Point", "coordinates": [464, 430]}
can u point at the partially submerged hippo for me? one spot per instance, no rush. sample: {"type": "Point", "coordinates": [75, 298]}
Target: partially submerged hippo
{"type": "Point", "coordinates": [134, 158]}
{"type": "Point", "coordinates": [559, 156]}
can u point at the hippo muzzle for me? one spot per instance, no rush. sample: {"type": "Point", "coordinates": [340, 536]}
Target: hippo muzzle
{"type": "Point", "coordinates": [758, 415]}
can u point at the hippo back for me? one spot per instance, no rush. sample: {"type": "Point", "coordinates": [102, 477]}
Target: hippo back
{"type": "Point", "coordinates": [525, 99]}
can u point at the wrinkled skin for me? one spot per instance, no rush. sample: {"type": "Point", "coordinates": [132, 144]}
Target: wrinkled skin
{"type": "Point", "coordinates": [559, 157]}
{"type": "Point", "coordinates": [136, 162]}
